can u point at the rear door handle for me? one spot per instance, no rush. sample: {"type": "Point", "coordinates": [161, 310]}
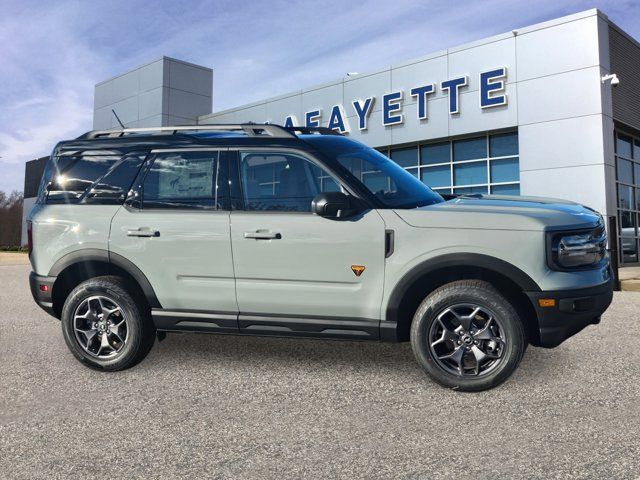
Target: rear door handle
{"type": "Point", "coordinates": [263, 235]}
{"type": "Point", "coordinates": [143, 232]}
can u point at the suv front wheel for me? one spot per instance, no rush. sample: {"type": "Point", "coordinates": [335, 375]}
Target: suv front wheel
{"type": "Point", "coordinates": [467, 336]}
{"type": "Point", "coordinates": [104, 327]}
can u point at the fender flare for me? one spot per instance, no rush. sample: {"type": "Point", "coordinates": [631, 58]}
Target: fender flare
{"type": "Point", "coordinates": [110, 258]}
{"type": "Point", "coordinates": [486, 262]}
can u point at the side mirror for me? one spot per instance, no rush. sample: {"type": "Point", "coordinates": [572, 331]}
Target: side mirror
{"type": "Point", "coordinates": [334, 205]}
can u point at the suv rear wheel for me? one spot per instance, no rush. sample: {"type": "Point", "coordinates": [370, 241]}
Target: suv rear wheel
{"type": "Point", "coordinates": [467, 336]}
{"type": "Point", "coordinates": [104, 327]}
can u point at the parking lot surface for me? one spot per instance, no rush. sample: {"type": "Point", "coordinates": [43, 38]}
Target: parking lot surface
{"type": "Point", "coordinates": [208, 406]}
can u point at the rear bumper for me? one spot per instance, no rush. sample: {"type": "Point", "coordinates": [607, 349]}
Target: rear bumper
{"type": "Point", "coordinates": [42, 298]}
{"type": "Point", "coordinates": [573, 311]}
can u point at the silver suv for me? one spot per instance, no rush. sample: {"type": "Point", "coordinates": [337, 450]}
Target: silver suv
{"type": "Point", "coordinates": [265, 230]}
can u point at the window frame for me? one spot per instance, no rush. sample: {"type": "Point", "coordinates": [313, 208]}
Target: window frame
{"type": "Point", "coordinates": [423, 167]}
{"type": "Point", "coordinates": [632, 210]}
{"type": "Point", "coordinates": [135, 201]}
{"type": "Point", "coordinates": [235, 177]}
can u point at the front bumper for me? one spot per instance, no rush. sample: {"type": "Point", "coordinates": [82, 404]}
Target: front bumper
{"type": "Point", "coordinates": [43, 298]}
{"type": "Point", "coordinates": [573, 311]}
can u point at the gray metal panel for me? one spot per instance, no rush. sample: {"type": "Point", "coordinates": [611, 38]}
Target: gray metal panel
{"type": "Point", "coordinates": [186, 104]}
{"type": "Point", "coordinates": [190, 78]}
{"type": "Point", "coordinates": [472, 61]}
{"type": "Point", "coordinates": [405, 77]}
{"type": "Point", "coordinates": [625, 62]}
{"type": "Point", "coordinates": [363, 86]}
{"type": "Point", "coordinates": [150, 103]}
{"type": "Point", "coordinates": [433, 127]}
{"type": "Point", "coordinates": [568, 46]}
{"type": "Point", "coordinates": [279, 109]}
{"type": "Point", "coordinates": [559, 96]}
{"type": "Point", "coordinates": [474, 119]}
{"type": "Point", "coordinates": [323, 99]}
{"type": "Point", "coordinates": [154, 92]}
{"type": "Point", "coordinates": [151, 76]}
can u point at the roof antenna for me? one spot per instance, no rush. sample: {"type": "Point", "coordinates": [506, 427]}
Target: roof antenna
{"type": "Point", "coordinates": [117, 118]}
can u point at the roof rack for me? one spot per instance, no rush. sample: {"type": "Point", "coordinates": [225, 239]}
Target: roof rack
{"type": "Point", "coordinates": [250, 129]}
{"type": "Point", "coordinates": [312, 130]}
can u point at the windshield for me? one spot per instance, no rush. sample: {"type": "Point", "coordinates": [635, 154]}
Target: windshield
{"type": "Point", "coordinates": [391, 184]}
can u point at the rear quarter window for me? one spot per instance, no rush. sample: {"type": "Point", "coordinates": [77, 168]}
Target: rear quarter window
{"type": "Point", "coordinates": [93, 178]}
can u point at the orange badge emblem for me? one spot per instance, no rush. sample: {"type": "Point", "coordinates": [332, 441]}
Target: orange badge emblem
{"type": "Point", "coordinates": [357, 269]}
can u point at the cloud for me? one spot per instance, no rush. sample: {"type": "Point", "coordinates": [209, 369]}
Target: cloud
{"type": "Point", "coordinates": [54, 53]}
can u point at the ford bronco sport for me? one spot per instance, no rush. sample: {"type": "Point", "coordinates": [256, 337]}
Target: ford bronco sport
{"type": "Point", "coordinates": [264, 230]}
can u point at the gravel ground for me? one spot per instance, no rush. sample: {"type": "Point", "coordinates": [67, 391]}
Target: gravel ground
{"type": "Point", "coordinates": [208, 406]}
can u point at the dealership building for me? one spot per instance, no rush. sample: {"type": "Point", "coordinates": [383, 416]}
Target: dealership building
{"type": "Point", "coordinates": [552, 109]}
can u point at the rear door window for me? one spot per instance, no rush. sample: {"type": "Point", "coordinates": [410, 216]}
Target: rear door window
{"type": "Point", "coordinates": [187, 180]}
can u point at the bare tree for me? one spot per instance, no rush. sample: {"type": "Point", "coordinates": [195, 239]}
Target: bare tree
{"type": "Point", "coordinates": [10, 219]}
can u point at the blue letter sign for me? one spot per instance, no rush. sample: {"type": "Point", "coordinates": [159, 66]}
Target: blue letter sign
{"type": "Point", "coordinates": [363, 110]}
{"type": "Point", "coordinates": [337, 119]}
{"type": "Point", "coordinates": [452, 86]}
{"type": "Point", "coordinates": [291, 121]}
{"type": "Point", "coordinates": [312, 118]}
{"type": "Point", "coordinates": [492, 82]}
{"type": "Point", "coordinates": [421, 93]}
{"type": "Point", "coordinates": [391, 104]}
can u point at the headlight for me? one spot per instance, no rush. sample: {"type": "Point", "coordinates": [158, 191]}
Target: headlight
{"type": "Point", "coordinates": [578, 249]}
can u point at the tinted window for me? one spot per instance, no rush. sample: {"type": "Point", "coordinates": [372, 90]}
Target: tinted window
{"type": "Point", "coordinates": [625, 171]}
{"type": "Point", "coordinates": [470, 149]}
{"type": "Point", "coordinates": [392, 185]}
{"type": "Point", "coordinates": [623, 146]}
{"type": "Point", "coordinates": [438, 176]}
{"type": "Point", "coordinates": [436, 153]}
{"type": "Point", "coordinates": [405, 157]}
{"type": "Point", "coordinates": [281, 182]}
{"type": "Point", "coordinates": [114, 185]}
{"type": "Point", "coordinates": [470, 173]}
{"type": "Point", "coordinates": [470, 190]}
{"type": "Point", "coordinates": [68, 177]}
{"type": "Point", "coordinates": [507, 170]}
{"type": "Point", "coordinates": [506, 189]}
{"type": "Point", "coordinates": [186, 180]}
{"type": "Point", "coordinates": [503, 145]}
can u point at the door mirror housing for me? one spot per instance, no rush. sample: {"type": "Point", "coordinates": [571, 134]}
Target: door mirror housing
{"type": "Point", "coordinates": [335, 205]}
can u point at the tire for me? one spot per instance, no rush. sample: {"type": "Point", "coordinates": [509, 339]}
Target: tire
{"type": "Point", "coordinates": [125, 324]}
{"type": "Point", "coordinates": [477, 358]}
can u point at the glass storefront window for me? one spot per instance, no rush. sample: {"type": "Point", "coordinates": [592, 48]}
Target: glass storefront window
{"type": "Point", "coordinates": [405, 157]}
{"type": "Point", "coordinates": [503, 144]}
{"type": "Point", "coordinates": [506, 170]}
{"type": "Point", "coordinates": [486, 163]}
{"type": "Point", "coordinates": [470, 149]}
{"type": "Point", "coordinates": [628, 186]}
{"type": "Point", "coordinates": [625, 197]}
{"type": "Point", "coordinates": [625, 171]}
{"type": "Point", "coordinates": [513, 189]}
{"type": "Point", "coordinates": [436, 153]}
{"type": "Point", "coordinates": [470, 173]}
{"type": "Point", "coordinates": [623, 146]}
{"type": "Point", "coordinates": [470, 190]}
{"type": "Point", "coordinates": [439, 176]}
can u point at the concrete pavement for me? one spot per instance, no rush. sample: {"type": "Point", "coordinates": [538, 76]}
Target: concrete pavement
{"type": "Point", "coordinates": [207, 406]}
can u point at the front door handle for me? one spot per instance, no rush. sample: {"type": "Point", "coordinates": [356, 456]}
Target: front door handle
{"type": "Point", "coordinates": [263, 235]}
{"type": "Point", "coordinates": [143, 232]}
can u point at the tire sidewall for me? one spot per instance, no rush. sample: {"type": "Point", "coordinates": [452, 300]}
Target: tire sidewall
{"type": "Point", "coordinates": [484, 297]}
{"type": "Point", "coordinates": [130, 310]}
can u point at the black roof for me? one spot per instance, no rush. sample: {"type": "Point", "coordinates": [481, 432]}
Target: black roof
{"type": "Point", "coordinates": [191, 136]}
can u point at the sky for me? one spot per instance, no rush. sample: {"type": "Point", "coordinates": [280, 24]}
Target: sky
{"type": "Point", "coordinates": [52, 53]}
